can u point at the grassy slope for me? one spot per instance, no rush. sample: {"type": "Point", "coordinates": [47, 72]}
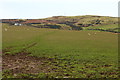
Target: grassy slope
{"type": "Point", "coordinates": [94, 22]}
{"type": "Point", "coordinates": [87, 19]}
{"type": "Point", "coordinates": [76, 49]}
{"type": "Point", "coordinates": [113, 27]}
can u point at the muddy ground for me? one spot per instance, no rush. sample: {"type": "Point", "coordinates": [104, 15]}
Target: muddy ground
{"type": "Point", "coordinates": [22, 63]}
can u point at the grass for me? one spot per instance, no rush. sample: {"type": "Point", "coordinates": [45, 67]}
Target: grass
{"type": "Point", "coordinates": [103, 27]}
{"type": "Point", "coordinates": [77, 54]}
{"type": "Point", "coordinates": [112, 27]}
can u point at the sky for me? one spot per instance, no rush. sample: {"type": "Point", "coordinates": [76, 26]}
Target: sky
{"type": "Point", "coordinates": [35, 9]}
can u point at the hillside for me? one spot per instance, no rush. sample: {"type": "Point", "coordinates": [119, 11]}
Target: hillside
{"type": "Point", "coordinates": [89, 22]}
{"type": "Point", "coordinates": [29, 52]}
{"type": "Point", "coordinates": [31, 49]}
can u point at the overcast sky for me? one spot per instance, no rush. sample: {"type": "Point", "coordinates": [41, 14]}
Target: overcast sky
{"type": "Point", "coordinates": [24, 9]}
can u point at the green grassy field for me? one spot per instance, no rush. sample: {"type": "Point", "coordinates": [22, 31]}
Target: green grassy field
{"type": "Point", "coordinates": [112, 27]}
{"type": "Point", "coordinates": [75, 54]}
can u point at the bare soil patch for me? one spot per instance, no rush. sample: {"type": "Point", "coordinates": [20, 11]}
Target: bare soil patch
{"type": "Point", "coordinates": [22, 63]}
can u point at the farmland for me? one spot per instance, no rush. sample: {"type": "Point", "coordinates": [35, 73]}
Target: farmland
{"type": "Point", "coordinates": [30, 52]}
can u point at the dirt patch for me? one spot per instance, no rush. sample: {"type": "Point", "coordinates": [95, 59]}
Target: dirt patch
{"type": "Point", "coordinates": [22, 63]}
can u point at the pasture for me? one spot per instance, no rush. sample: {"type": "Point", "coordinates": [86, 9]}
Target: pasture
{"type": "Point", "coordinates": [109, 28]}
{"type": "Point", "coordinates": [59, 53]}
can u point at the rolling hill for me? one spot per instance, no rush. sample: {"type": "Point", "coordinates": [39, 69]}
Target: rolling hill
{"type": "Point", "coordinates": [87, 22]}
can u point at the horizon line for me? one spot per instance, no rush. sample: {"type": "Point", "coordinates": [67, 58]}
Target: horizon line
{"type": "Point", "coordinates": [60, 15]}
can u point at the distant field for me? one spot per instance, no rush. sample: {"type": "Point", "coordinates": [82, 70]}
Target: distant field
{"type": "Point", "coordinates": [70, 54]}
{"type": "Point", "coordinates": [104, 26]}
{"type": "Point", "coordinates": [112, 27]}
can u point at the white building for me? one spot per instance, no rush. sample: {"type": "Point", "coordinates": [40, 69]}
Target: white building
{"type": "Point", "coordinates": [17, 24]}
